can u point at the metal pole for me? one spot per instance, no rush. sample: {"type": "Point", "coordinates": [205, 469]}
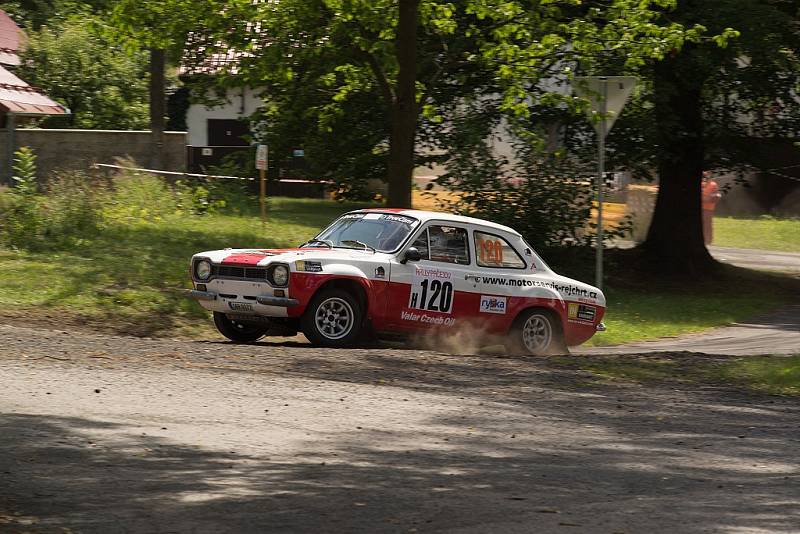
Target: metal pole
{"type": "Point", "coordinates": [601, 148]}
{"type": "Point", "coordinates": [262, 196]}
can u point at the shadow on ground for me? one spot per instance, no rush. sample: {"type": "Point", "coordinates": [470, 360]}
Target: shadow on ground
{"type": "Point", "coordinates": [529, 458]}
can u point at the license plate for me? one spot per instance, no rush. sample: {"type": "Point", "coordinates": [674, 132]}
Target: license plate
{"type": "Point", "coordinates": [240, 306]}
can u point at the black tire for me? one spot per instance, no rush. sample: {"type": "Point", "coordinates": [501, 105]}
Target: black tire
{"type": "Point", "coordinates": [537, 332]}
{"type": "Point", "coordinates": [239, 332]}
{"type": "Point", "coordinates": [333, 318]}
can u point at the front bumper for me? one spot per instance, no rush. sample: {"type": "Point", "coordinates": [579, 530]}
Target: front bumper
{"type": "Point", "coordinates": [283, 302]}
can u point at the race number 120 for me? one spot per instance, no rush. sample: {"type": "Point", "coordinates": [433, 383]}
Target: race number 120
{"type": "Point", "coordinates": [431, 294]}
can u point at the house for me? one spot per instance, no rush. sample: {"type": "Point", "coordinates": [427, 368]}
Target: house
{"type": "Point", "coordinates": [18, 100]}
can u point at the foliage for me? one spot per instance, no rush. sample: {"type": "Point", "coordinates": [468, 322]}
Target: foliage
{"type": "Point", "coordinates": [747, 76]}
{"type": "Point", "coordinates": [20, 217]}
{"type": "Point", "coordinates": [76, 207]}
{"type": "Point", "coordinates": [24, 172]}
{"type": "Point", "coordinates": [73, 63]}
{"type": "Point", "coordinates": [544, 194]}
{"type": "Point", "coordinates": [344, 59]}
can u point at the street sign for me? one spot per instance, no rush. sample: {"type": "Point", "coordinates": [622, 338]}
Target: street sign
{"type": "Point", "coordinates": [607, 96]}
{"type": "Point", "coordinates": [261, 157]}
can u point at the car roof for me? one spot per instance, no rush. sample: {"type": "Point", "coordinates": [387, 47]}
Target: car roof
{"type": "Point", "coordinates": [425, 216]}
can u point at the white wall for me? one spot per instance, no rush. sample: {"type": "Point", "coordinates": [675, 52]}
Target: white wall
{"type": "Point", "coordinates": [241, 102]}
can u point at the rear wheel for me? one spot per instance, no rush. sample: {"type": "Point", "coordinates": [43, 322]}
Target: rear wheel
{"type": "Point", "coordinates": [237, 331]}
{"type": "Point", "coordinates": [333, 319]}
{"type": "Point", "coordinates": [537, 332]}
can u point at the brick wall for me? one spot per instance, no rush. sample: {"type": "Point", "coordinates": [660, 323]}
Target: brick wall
{"type": "Point", "coordinates": [78, 149]}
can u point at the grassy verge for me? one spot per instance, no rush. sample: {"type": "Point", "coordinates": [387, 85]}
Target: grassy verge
{"type": "Point", "coordinates": [635, 315]}
{"type": "Point", "coordinates": [777, 375]}
{"type": "Point", "coordinates": [764, 233]}
{"type": "Point", "coordinates": [128, 276]}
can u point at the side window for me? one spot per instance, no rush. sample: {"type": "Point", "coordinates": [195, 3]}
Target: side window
{"type": "Point", "coordinates": [448, 244]}
{"type": "Point", "coordinates": [494, 251]}
{"type": "Point", "coordinates": [421, 244]}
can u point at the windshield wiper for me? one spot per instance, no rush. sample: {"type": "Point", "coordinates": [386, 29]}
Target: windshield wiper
{"type": "Point", "coordinates": [359, 243]}
{"type": "Point", "coordinates": [321, 241]}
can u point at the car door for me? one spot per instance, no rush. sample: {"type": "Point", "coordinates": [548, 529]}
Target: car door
{"type": "Point", "coordinates": [430, 293]}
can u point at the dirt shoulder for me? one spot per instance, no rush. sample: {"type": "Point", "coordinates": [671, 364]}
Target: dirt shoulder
{"type": "Point", "coordinates": [103, 433]}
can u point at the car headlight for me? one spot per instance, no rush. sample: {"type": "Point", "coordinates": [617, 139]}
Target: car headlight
{"type": "Point", "coordinates": [203, 269]}
{"type": "Point", "coordinates": [280, 275]}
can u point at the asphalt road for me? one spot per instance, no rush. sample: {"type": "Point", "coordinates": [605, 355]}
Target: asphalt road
{"type": "Point", "coordinates": [774, 333]}
{"type": "Point", "coordinates": [107, 434]}
{"type": "Point", "coordinates": [763, 260]}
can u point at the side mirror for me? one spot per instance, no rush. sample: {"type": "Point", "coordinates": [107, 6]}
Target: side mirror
{"type": "Point", "coordinates": [411, 254]}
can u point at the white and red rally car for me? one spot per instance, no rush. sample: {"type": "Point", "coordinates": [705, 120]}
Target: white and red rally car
{"type": "Point", "coordinates": [398, 271]}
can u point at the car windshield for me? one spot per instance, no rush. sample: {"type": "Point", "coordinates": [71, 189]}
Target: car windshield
{"type": "Point", "coordinates": [383, 232]}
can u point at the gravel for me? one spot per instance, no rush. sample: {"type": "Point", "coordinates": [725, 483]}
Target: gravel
{"type": "Point", "coordinates": [104, 434]}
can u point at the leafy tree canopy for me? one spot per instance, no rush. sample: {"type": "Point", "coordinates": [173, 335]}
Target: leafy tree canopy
{"type": "Point", "coordinates": [336, 52]}
{"type": "Point", "coordinates": [103, 86]}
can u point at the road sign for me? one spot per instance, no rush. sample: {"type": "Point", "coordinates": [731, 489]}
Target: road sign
{"type": "Point", "coordinates": [261, 157]}
{"type": "Point", "coordinates": [607, 96]}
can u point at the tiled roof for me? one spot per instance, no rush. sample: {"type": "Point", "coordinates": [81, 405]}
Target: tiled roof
{"type": "Point", "coordinates": [18, 97]}
{"type": "Point", "coordinates": [11, 35]}
{"type": "Point", "coordinates": [205, 55]}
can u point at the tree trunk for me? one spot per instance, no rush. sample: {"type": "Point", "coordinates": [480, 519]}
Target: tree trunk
{"type": "Point", "coordinates": [404, 109]}
{"type": "Point", "coordinates": [675, 239]}
{"type": "Point", "coordinates": [157, 107]}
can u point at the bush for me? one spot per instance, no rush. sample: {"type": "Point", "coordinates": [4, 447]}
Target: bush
{"type": "Point", "coordinates": [72, 204]}
{"type": "Point", "coordinates": [139, 197]}
{"type": "Point", "coordinates": [21, 217]}
{"type": "Point", "coordinates": [543, 193]}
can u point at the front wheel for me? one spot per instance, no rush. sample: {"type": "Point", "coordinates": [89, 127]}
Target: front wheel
{"type": "Point", "coordinates": [537, 332]}
{"type": "Point", "coordinates": [238, 332]}
{"type": "Point", "coordinates": [333, 319]}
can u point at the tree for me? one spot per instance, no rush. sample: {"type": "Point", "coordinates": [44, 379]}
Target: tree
{"type": "Point", "coordinates": [158, 27]}
{"type": "Point", "coordinates": [409, 52]}
{"type": "Point", "coordinates": [100, 84]}
{"type": "Point", "coordinates": [705, 106]}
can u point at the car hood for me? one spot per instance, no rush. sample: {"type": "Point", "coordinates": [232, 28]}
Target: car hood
{"type": "Point", "coordinates": [284, 255]}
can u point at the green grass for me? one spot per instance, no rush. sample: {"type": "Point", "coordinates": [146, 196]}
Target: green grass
{"type": "Point", "coordinates": [128, 277]}
{"type": "Point", "coordinates": [635, 315]}
{"type": "Point", "coordinates": [777, 375]}
{"type": "Point", "coordinates": [764, 233]}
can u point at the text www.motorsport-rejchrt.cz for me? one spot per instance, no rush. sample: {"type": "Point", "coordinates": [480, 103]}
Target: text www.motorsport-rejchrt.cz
{"type": "Point", "coordinates": [566, 290]}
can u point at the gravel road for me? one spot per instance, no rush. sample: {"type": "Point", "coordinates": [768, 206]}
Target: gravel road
{"type": "Point", "coordinates": [105, 434]}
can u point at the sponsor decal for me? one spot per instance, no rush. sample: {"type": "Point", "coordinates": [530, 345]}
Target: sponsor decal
{"type": "Point", "coordinates": [308, 266]}
{"type": "Point", "coordinates": [431, 290]}
{"type": "Point", "coordinates": [353, 216]}
{"type": "Point", "coordinates": [490, 252]}
{"type": "Point", "coordinates": [490, 304]}
{"type": "Point", "coordinates": [432, 273]}
{"type": "Point", "coordinates": [398, 218]}
{"type": "Point", "coordinates": [581, 312]}
{"type": "Point", "coordinates": [424, 318]}
{"type": "Point", "coordinates": [380, 272]}
{"type": "Point", "coordinates": [565, 289]}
